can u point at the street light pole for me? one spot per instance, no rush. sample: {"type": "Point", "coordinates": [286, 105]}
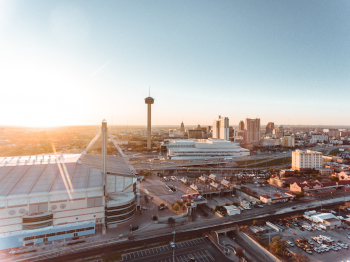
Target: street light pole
{"type": "Point", "coordinates": [174, 247]}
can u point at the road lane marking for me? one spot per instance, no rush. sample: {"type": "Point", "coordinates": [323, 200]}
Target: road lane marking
{"type": "Point", "coordinates": [204, 255]}
{"type": "Point", "coordinates": [196, 256]}
{"type": "Point", "coordinates": [209, 255]}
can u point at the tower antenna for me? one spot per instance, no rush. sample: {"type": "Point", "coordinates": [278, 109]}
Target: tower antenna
{"type": "Point", "coordinates": [149, 91]}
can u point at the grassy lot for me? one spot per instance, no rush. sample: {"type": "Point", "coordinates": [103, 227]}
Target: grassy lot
{"type": "Point", "coordinates": [275, 162]}
{"type": "Point", "coordinates": [334, 152]}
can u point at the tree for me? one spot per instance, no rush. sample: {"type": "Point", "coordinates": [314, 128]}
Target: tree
{"type": "Point", "coordinates": [255, 222]}
{"type": "Point", "coordinates": [162, 204]}
{"type": "Point", "coordinates": [155, 218]}
{"type": "Point", "coordinates": [171, 221]}
{"type": "Point", "coordinates": [239, 251]}
{"type": "Point", "coordinates": [277, 246]}
{"type": "Point", "coordinates": [141, 172]}
{"type": "Point", "coordinates": [146, 199]}
{"type": "Point", "coordinates": [298, 257]}
{"type": "Point", "coordinates": [176, 207]}
{"type": "Point", "coordinates": [334, 178]}
{"type": "Point", "coordinates": [319, 177]}
{"type": "Point", "coordinates": [299, 194]}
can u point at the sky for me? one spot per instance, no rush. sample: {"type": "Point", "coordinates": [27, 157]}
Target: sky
{"type": "Point", "coordinates": [78, 62]}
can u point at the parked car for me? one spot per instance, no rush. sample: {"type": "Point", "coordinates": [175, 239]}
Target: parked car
{"type": "Point", "coordinates": [144, 208]}
{"type": "Point", "coordinates": [290, 243]}
{"type": "Point", "coordinates": [308, 251]}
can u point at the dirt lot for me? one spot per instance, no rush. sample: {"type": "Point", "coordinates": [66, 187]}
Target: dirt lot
{"type": "Point", "coordinates": [334, 256]}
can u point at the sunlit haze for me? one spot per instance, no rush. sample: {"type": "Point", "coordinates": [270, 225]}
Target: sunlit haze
{"type": "Point", "coordinates": [78, 62]}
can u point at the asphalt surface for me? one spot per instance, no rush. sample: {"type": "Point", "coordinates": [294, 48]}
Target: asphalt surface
{"type": "Point", "coordinates": [163, 236]}
{"type": "Point", "coordinates": [201, 249]}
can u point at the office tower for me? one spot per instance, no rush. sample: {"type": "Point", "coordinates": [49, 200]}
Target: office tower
{"type": "Point", "coordinates": [182, 128]}
{"type": "Point", "coordinates": [252, 130]}
{"type": "Point", "coordinates": [241, 125]}
{"type": "Point", "coordinates": [149, 101]}
{"type": "Point", "coordinates": [270, 127]}
{"type": "Point", "coordinates": [221, 128]}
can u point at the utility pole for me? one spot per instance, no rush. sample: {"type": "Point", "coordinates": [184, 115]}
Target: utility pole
{"type": "Point", "coordinates": [174, 247]}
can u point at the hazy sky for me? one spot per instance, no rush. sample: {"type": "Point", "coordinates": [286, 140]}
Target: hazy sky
{"type": "Point", "coordinates": [77, 62]}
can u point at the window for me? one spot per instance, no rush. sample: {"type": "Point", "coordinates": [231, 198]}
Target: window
{"type": "Point", "coordinates": [80, 229]}
{"type": "Point", "coordinates": [51, 235]}
{"type": "Point", "coordinates": [70, 231]}
{"type": "Point", "coordinates": [40, 236]}
{"type": "Point", "coordinates": [61, 233]}
{"type": "Point", "coordinates": [28, 238]}
{"type": "Point", "coordinates": [90, 228]}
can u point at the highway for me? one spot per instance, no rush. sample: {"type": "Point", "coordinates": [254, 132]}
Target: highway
{"type": "Point", "coordinates": [202, 249]}
{"type": "Point", "coordinates": [201, 164]}
{"type": "Point", "coordinates": [145, 239]}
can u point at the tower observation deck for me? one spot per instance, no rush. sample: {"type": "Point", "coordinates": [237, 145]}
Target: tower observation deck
{"type": "Point", "coordinates": [149, 101]}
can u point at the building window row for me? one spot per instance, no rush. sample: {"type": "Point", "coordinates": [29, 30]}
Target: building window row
{"type": "Point", "coordinates": [59, 233]}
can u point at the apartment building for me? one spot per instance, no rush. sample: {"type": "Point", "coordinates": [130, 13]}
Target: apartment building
{"type": "Point", "coordinates": [303, 160]}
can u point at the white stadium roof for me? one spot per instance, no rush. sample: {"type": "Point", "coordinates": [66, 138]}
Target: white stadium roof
{"type": "Point", "coordinates": [27, 175]}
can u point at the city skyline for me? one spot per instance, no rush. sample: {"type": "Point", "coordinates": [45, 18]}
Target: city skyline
{"type": "Point", "coordinates": [75, 63]}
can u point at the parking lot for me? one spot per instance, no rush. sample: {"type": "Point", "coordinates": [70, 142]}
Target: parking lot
{"type": "Point", "coordinates": [201, 249]}
{"type": "Point", "coordinates": [342, 254]}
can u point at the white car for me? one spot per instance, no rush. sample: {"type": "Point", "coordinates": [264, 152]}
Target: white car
{"type": "Point", "coordinates": [344, 246]}
{"type": "Point", "coordinates": [290, 243]}
{"type": "Point", "coordinates": [144, 208]}
{"type": "Point", "coordinates": [308, 251]}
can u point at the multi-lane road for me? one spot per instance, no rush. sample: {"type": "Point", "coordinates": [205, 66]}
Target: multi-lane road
{"type": "Point", "coordinates": [202, 164]}
{"type": "Point", "coordinates": [144, 239]}
{"type": "Point", "coordinates": [201, 249]}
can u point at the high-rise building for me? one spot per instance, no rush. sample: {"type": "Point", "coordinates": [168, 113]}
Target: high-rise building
{"type": "Point", "coordinates": [194, 133]}
{"type": "Point", "coordinates": [149, 101]}
{"type": "Point", "coordinates": [182, 128]}
{"type": "Point", "coordinates": [241, 125]}
{"type": "Point", "coordinates": [333, 132]}
{"type": "Point", "coordinates": [287, 141]}
{"type": "Point", "coordinates": [252, 130]}
{"type": "Point", "coordinates": [269, 127]}
{"type": "Point", "coordinates": [221, 128]}
{"type": "Point", "coordinates": [303, 160]}
{"type": "Point", "coordinates": [279, 132]}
